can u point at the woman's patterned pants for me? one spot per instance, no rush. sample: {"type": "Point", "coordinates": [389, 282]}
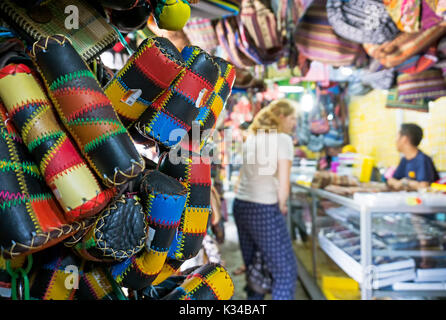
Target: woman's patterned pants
{"type": "Point", "coordinates": [262, 227]}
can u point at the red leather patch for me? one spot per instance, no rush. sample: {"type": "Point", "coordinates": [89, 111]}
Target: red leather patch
{"type": "Point", "coordinates": [200, 170]}
{"type": "Point", "coordinates": [13, 69]}
{"type": "Point", "coordinates": [49, 215]}
{"type": "Point", "coordinates": [191, 84]}
{"type": "Point", "coordinates": [66, 156]}
{"type": "Point", "coordinates": [157, 67]}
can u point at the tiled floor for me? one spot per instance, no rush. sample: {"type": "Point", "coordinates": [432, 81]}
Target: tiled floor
{"type": "Point", "coordinates": [232, 258]}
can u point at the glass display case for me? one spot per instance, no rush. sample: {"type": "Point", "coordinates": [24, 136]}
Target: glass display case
{"type": "Point", "coordinates": [371, 245]}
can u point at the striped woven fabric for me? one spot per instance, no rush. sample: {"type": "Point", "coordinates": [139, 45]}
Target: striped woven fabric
{"type": "Point", "coordinates": [260, 22]}
{"type": "Point", "coordinates": [428, 85]}
{"type": "Point", "coordinates": [201, 33]}
{"type": "Point", "coordinates": [404, 46]}
{"type": "Point", "coordinates": [86, 111]}
{"type": "Point", "coordinates": [90, 33]}
{"type": "Point", "coordinates": [163, 199]}
{"type": "Point", "coordinates": [393, 102]}
{"type": "Point", "coordinates": [145, 76]}
{"type": "Point", "coordinates": [209, 282]}
{"type": "Point", "coordinates": [419, 62]}
{"type": "Point", "coordinates": [194, 171]}
{"type": "Point", "coordinates": [171, 115]}
{"type": "Point", "coordinates": [30, 217]}
{"type": "Point", "coordinates": [59, 161]}
{"type": "Point", "coordinates": [119, 232]}
{"type": "Point", "coordinates": [317, 40]}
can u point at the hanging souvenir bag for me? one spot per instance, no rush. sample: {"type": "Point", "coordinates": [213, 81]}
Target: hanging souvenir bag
{"type": "Point", "coordinates": [146, 75]}
{"type": "Point", "coordinates": [194, 171]}
{"type": "Point", "coordinates": [317, 40]}
{"type": "Point", "coordinates": [88, 31]}
{"type": "Point", "coordinates": [172, 114]}
{"type": "Point", "coordinates": [361, 21]}
{"type": "Point", "coordinates": [31, 219]}
{"type": "Point", "coordinates": [63, 168]}
{"type": "Point", "coordinates": [404, 46]}
{"type": "Point", "coordinates": [163, 200]}
{"type": "Point", "coordinates": [86, 111]}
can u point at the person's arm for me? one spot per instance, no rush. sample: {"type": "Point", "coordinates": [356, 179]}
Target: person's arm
{"type": "Point", "coordinates": [284, 172]}
{"type": "Point", "coordinates": [395, 182]}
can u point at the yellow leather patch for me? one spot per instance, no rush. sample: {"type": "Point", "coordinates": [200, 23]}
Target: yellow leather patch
{"type": "Point", "coordinates": [72, 185]}
{"type": "Point", "coordinates": [115, 92]}
{"type": "Point", "coordinates": [165, 273]}
{"type": "Point", "coordinates": [195, 220]}
{"type": "Point", "coordinates": [18, 89]}
{"type": "Point", "coordinates": [151, 262]}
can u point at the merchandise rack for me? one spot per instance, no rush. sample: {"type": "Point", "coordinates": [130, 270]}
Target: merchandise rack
{"type": "Point", "coordinates": [365, 215]}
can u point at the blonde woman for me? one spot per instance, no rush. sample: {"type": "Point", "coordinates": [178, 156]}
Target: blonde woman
{"type": "Point", "coordinates": [260, 203]}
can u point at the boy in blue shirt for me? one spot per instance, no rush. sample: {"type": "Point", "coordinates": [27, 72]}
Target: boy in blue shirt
{"type": "Point", "coordinates": [416, 170]}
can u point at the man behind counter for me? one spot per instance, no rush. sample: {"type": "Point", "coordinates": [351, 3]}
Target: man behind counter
{"type": "Point", "coordinates": [416, 170]}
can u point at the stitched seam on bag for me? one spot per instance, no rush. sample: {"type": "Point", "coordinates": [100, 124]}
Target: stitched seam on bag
{"type": "Point", "coordinates": [69, 77]}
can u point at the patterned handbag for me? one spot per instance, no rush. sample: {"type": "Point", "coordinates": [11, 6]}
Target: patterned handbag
{"type": "Point", "coordinates": [406, 14]}
{"type": "Point", "coordinates": [201, 33]}
{"type": "Point", "coordinates": [90, 36]}
{"type": "Point", "coordinates": [260, 23]}
{"type": "Point", "coordinates": [428, 85]}
{"type": "Point", "coordinates": [59, 162]}
{"type": "Point", "coordinates": [118, 233]}
{"type": "Point", "coordinates": [194, 171]}
{"type": "Point", "coordinates": [209, 282]}
{"type": "Point", "coordinates": [86, 111]}
{"type": "Point", "coordinates": [361, 20]}
{"type": "Point", "coordinates": [163, 200]}
{"type": "Point", "coordinates": [171, 14]}
{"type": "Point", "coordinates": [31, 218]}
{"type": "Point", "coordinates": [404, 46]}
{"type": "Point", "coordinates": [232, 35]}
{"type": "Point", "coordinates": [172, 114]}
{"type": "Point", "coordinates": [317, 40]}
{"type": "Point", "coordinates": [146, 75]}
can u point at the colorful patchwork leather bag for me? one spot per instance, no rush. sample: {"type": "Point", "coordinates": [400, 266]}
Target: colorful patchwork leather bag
{"type": "Point", "coordinates": [63, 168]}
{"type": "Point", "coordinates": [163, 200]}
{"type": "Point", "coordinates": [86, 111]}
{"type": "Point", "coordinates": [31, 219]}
{"type": "Point", "coordinates": [171, 115]}
{"type": "Point", "coordinates": [208, 282]}
{"type": "Point", "coordinates": [194, 172]}
{"type": "Point", "coordinates": [146, 75]}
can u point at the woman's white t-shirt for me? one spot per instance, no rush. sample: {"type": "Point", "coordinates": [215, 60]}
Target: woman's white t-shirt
{"type": "Point", "coordinates": [258, 174]}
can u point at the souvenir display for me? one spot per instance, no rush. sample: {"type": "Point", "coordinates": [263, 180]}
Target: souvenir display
{"type": "Point", "coordinates": [86, 111]}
